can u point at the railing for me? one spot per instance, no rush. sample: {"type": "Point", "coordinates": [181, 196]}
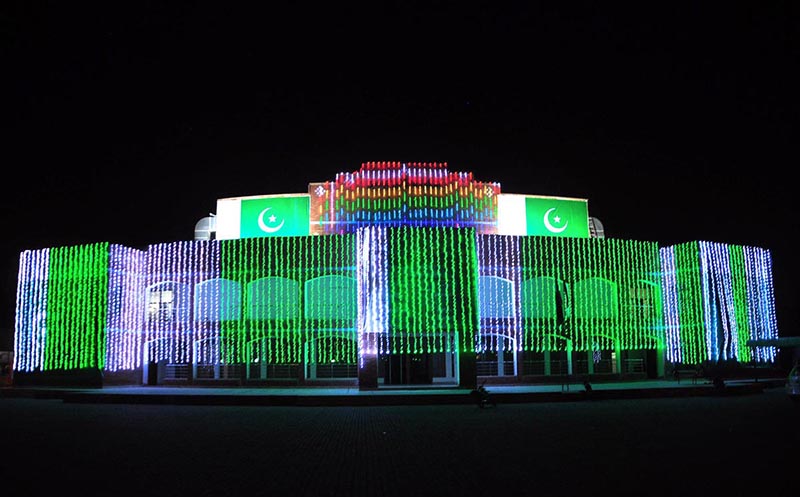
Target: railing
{"type": "Point", "coordinates": [537, 368]}
{"type": "Point", "coordinates": [337, 370]}
{"type": "Point", "coordinates": [204, 372]}
{"type": "Point", "coordinates": [633, 366]}
{"type": "Point", "coordinates": [489, 368]}
{"type": "Point", "coordinates": [226, 372]}
{"type": "Point", "coordinates": [603, 366]}
{"type": "Point", "coordinates": [274, 371]}
{"type": "Point", "coordinates": [174, 372]}
{"type": "Point", "coordinates": [533, 368]}
{"type": "Point", "coordinates": [581, 367]}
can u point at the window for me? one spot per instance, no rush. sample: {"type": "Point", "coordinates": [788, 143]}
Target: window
{"type": "Point", "coordinates": [161, 305]}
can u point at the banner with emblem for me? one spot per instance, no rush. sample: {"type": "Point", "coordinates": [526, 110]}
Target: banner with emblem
{"type": "Point", "coordinates": [280, 215]}
{"type": "Point", "coordinates": [557, 216]}
{"type": "Point", "coordinates": [526, 215]}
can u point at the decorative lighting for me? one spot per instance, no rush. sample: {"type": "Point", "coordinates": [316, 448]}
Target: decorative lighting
{"type": "Point", "coordinates": [717, 297]}
{"type": "Point", "coordinates": [410, 264]}
{"type": "Point", "coordinates": [433, 289]}
{"type": "Point", "coordinates": [61, 308]}
{"type": "Point", "coordinates": [586, 292]}
{"type": "Point", "coordinates": [394, 194]}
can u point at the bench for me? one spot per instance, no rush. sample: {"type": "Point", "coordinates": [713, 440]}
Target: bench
{"type": "Point", "coordinates": [686, 373]}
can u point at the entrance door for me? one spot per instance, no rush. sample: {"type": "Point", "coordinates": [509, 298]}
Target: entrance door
{"type": "Point", "coordinates": [408, 369]}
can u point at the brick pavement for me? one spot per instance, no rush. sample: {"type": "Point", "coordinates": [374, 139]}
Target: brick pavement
{"type": "Point", "coordinates": [644, 446]}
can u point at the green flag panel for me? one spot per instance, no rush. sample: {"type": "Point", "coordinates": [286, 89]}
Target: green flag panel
{"type": "Point", "coordinates": [549, 216]}
{"type": "Point", "coordinates": [275, 216]}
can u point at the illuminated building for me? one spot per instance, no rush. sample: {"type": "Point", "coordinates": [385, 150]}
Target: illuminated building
{"type": "Point", "coordinates": [398, 273]}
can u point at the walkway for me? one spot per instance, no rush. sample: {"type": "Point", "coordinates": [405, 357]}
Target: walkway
{"type": "Point", "coordinates": [423, 395]}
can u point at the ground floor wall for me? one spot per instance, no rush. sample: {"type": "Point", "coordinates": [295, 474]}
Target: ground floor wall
{"type": "Point", "coordinates": [379, 308]}
{"type": "Point", "coordinates": [372, 371]}
{"type": "Point", "coordinates": [464, 370]}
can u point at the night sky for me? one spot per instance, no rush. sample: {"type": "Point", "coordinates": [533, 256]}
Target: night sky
{"type": "Point", "coordinates": [126, 123]}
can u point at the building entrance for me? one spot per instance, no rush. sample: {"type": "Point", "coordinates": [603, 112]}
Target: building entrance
{"type": "Point", "coordinates": [408, 369]}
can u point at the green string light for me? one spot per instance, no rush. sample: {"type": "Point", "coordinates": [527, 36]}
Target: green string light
{"type": "Point", "coordinates": [279, 275]}
{"type": "Point", "coordinates": [597, 276]}
{"type": "Point", "coordinates": [77, 296]}
{"type": "Point", "coordinates": [739, 280]}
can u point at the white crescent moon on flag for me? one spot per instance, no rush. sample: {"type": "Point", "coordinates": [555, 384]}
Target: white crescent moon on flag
{"type": "Point", "coordinates": [549, 226]}
{"type": "Point", "coordinates": [267, 229]}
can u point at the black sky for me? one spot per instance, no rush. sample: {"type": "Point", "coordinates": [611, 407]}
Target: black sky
{"type": "Point", "coordinates": [677, 122]}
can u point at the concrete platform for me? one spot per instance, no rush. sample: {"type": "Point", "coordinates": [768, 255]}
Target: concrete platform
{"type": "Point", "coordinates": [417, 395]}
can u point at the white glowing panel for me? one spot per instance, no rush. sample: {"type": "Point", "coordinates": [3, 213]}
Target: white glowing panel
{"type": "Point", "coordinates": [511, 217]}
{"type": "Point", "coordinates": [229, 215]}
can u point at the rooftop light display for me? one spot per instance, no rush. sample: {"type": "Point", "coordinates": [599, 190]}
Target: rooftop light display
{"type": "Point", "coordinates": [422, 194]}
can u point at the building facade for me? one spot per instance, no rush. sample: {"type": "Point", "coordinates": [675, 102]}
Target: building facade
{"type": "Point", "coordinates": [394, 274]}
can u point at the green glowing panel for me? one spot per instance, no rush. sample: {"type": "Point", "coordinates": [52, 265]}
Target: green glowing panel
{"type": "Point", "coordinates": [691, 314]}
{"type": "Point", "coordinates": [596, 298]}
{"type": "Point", "coordinates": [273, 298]}
{"type": "Point", "coordinates": [593, 294]}
{"type": "Point", "coordinates": [539, 298]}
{"type": "Point", "coordinates": [433, 282]}
{"type": "Point", "coordinates": [77, 299]}
{"type": "Point", "coordinates": [742, 319]}
{"type": "Point", "coordinates": [557, 217]}
{"type": "Point", "coordinates": [275, 216]}
{"type": "Point", "coordinates": [281, 276]}
{"type": "Point", "coordinates": [331, 297]}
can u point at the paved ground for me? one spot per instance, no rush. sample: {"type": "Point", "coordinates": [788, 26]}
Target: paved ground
{"type": "Point", "coordinates": [679, 446]}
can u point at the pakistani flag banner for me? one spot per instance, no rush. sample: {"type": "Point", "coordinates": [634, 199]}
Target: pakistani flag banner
{"type": "Point", "coordinates": [275, 216]}
{"type": "Point", "coordinates": [557, 217]}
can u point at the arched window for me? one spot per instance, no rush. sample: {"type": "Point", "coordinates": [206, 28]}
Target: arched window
{"type": "Point", "coordinates": [331, 297]}
{"type": "Point", "coordinates": [545, 297]}
{"type": "Point", "coordinates": [596, 298]}
{"type": "Point", "coordinates": [273, 297]}
{"type": "Point", "coordinates": [496, 297]}
{"type": "Point", "coordinates": [218, 299]}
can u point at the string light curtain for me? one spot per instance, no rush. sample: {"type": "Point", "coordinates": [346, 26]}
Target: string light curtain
{"type": "Point", "coordinates": [433, 290]}
{"type": "Point", "coordinates": [717, 296]}
{"type": "Point", "coordinates": [671, 305]}
{"type": "Point", "coordinates": [173, 271]}
{"type": "Point", "coordinates": [756, 265]}
{"type": "Point", "coordinates": [31, 310]}
{"type": "Point", "coordinates": [588, 292]}
{"type": "Point", "coordinates": [719, 308]}
{"type": "Point", "coordinates": [214, 300]}
{"type": "Point", "coordinates": [373, 291]}
{"type": "Point", "coordinates": [410, 265]}
{"type": "Point", "coordinates": [279, 318]}
{"type": "Point", "coordinates": [126, 305]}
{"type": "Point", "coordinates": [61, 308]}
{"type": "Point", "coordinates": [499, 291]}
